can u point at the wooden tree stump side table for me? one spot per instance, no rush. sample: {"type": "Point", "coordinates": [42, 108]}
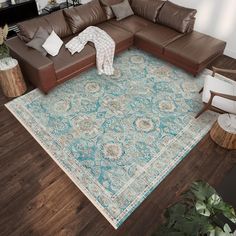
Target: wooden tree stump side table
{"type": "Point", "coordinates": [11, 78]}
{"type": "Point", "coordinates": [223, 132]}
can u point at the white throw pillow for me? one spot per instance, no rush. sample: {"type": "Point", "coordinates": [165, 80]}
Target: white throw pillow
{"type": "Point", "coordinates": [52, 44]}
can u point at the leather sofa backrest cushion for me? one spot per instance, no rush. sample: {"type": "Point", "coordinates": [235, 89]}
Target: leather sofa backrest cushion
{"type": "Point", "coordinates": [54, 21]}
{"type": "Point", "coordinates": [28, 28]}
{"type": "Point", "coordinates": [176, 17]}
{"type": "Point", "coordinates": [59, 23]}
{"type": "Point", "coordinates": [85, 15]}
{"type": "Point", "coordinates": [106, 5]}
{"type": "Point", "coordinates": [148, 9]}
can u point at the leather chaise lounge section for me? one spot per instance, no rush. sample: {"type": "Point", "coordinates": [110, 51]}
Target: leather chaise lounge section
{"type": "Point", "coordinates": [190, 50]}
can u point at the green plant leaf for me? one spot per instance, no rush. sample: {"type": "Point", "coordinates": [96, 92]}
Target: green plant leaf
{"type": "Point", "coordinates": [202, 208]}
{"type": "Point", "coordinates": [202, 190]}
{"type": "Point", "coordinates": [198, 213]}
{"type": "Point", "coordinates": [227, 210]}
{"type": "Point", "coordinates": [174, 213]}
{"type": "Point", "coordinates": [227, 229]}
{"type": "Point", "coordinates": [212, 232]}
{"type": "Point", "coordinates": [189, 227]}
{"type": "Point", "coordinates": [164, 231]}
{"type": "Point", "coordinates": [192, 223]}
{"type": "Point", "coordinates": [214, 199]}
{"type": "Point", "coordinates": [230, 214]}
{"type": "Point", "coordinates": [4, 51]}
{"type": "Point", "coordinates": [225, 232]}
{"type": "Point", "coordinates": [219, 232]}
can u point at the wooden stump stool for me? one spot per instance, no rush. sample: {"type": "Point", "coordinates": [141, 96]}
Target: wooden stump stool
{"type": "Point", "coordinates": [223, 132]}
{"type": "Point", "coordinates": [11, 78]}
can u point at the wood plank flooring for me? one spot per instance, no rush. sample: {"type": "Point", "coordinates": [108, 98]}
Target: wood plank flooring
{"type": "Point", "coordinates": [37, 198]}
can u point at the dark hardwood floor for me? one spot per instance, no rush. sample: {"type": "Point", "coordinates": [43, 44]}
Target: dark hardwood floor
{"type": "Point", "coordinates": [37, 198]}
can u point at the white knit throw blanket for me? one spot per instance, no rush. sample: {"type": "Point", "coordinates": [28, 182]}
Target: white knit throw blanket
{"type": "Point", "coordinates": [104, 44]}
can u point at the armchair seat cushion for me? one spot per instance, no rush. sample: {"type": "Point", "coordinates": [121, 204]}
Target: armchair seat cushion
{"type": "Point", "coordinates": [224, 86]}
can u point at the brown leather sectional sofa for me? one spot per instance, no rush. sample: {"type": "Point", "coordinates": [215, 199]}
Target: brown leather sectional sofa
{"type": "Point", "coordinates": [154, 28]}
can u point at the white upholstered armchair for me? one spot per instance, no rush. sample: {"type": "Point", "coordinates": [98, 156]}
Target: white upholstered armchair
{"type": "Point", "coordinates": [219, 94]}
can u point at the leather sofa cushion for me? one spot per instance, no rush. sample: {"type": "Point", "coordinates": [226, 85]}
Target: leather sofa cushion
{"type": "Point", "coordinates": [132, 24]}
{"type": "Point", "coordinates": [106, 5]}
{"type": "Point", "coordinates": [176, 17]}
{"type": "Point", "coordinates": [54, 21]}
{"type": "Point", "coordinates": [58, 23]}
{"type": "Point", "coordinates": [194, 49]}
{"type": "Point", "coordinates": [148, 9]}
{"type": "Point", "coordinates": [85, 15]}
{"type": "Point", "coordinates": [156, 36]}
{"type": "Point", "coordinates": [123, 39]}
{"type": "Point", "coordinates": [66, 64]}
{"type": "Point", "coordinates": [27, 29]}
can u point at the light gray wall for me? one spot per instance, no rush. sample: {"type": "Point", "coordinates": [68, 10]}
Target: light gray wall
{"type": "Point", "coordinates": [216, 18]}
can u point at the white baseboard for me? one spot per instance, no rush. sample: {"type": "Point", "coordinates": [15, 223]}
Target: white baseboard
{"type": "Point", "coordinates": [230, 53]}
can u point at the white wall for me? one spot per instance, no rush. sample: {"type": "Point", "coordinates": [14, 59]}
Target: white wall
{"type": "Point", "coordinates": [216, 18]}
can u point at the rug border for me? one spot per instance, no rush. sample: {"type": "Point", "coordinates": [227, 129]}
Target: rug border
{"type": "Point", "coordinates": [86, 193]}
{"type": "Point", "coordinates": [182, 155]}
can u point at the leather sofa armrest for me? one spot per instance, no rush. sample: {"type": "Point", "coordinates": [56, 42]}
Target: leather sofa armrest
{"type": "Point", "coordinates": [36, 68]}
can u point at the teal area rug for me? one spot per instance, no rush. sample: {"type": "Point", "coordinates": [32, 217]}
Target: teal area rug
{"type": "Point", "coordinates": [117, 137]}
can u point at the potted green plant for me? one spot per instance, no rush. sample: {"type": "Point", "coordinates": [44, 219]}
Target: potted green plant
{"type": "Point", "coordinates": [6, 61]}
{"type": "Point", "coordinates": [4, 51]}
{"type": "Point", "coordinates": [200, 212]}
